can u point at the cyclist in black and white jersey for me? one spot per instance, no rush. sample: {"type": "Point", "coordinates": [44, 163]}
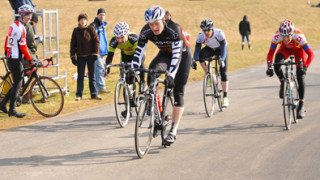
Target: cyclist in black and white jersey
{"type": "Point", "coordinates": [216, 44]}
{"type": "Point", "coordinates": [174, 56]}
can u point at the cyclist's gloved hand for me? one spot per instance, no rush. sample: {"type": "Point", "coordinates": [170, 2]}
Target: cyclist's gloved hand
{"type": "Point", "coordinates": [194, 64]}
{"type": "Point", "coordinates": [74, 60]}
{"type": "Point", "coordinates": [130, 77]}
{"type": "Point", "coordinates": [169, 82]}
{"type": "Point", "coordinates": [222, 64]}
{"type": "Point", "coordinates": [35, 62]}
{"type": "Point", "coordinates": [304, 70]}
{"type": "Point", "coordinates": [269, 72]}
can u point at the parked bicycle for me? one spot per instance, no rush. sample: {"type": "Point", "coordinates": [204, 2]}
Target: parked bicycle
{"type": "Point", "coordinates": [125, 97]}
{"type": "Point", "coordinates": [290, 91]}
{"type": "Point", "coordinates": [44, 93]}
{"type": "Point", "coordinates": [212, 89]}
{"type": "Point", "coordinates": [153, 116]}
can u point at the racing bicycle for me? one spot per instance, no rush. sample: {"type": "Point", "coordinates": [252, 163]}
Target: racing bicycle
{"type": "Point", "coordinates": [290, 91]}
{"type": "Point", "coordinates": [153, 116]}
{"type": "Point", "coordinates": [125, 97]}
{"type": "Point", "coordinates": [44, 93]}
{"type": "Point", "coordinates": [212, 89]}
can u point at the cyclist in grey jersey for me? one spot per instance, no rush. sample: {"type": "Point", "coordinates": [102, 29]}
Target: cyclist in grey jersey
{"type": "Point", "coordinates": [216, 44]}
{"type": "Point", "coordinates": [174, 55]}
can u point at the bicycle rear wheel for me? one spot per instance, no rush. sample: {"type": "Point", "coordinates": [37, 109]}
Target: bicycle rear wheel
{"type": "Point", "coordinates": [287, 105]}
{"type": "Point", "coordinates": [218, 91]}
{"type": "Point", "coordinates": [295, 94]}
{"type": "Point", "coordinates": [121, 103]}
{"type": "Point", "coordinates": [144, 128]}
{"type": "Point", "coordinates": [208, 94]}
{"type": "Point", "coordinates": [166, 116]}
{"type": "Point", "coordinates": [46, 97]}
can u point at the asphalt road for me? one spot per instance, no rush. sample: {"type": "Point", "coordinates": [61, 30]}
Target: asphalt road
{"type": "Point", "coordinates": [246, 141]}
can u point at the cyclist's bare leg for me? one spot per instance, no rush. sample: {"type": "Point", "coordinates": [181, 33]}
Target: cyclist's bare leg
{"type": "Point", "coordinates": [225, 86]}
{"type": "Point", "coordinates": [176, 116]}
{"type": "Point", "coordinates": [204, 66]}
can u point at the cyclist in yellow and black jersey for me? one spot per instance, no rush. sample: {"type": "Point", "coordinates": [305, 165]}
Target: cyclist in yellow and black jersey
{"type": "Point", "coordinates": [127, 42]}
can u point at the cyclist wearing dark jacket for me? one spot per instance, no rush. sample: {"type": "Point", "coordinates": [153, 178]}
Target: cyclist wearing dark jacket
{"type": "Point", "coordinates": [174, 55]}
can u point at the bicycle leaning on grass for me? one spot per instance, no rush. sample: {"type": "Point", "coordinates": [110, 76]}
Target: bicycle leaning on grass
{"type": "Point", "coordinates": [153, 116]}
{"type": "Point", "coordinates": [44, 93]}
{"type": "Point", "coordinates": [125, 96]}
{"type": "Point", "coordinates": [290, 91]}
{"type": "Point", "coordinates": [212, 89]}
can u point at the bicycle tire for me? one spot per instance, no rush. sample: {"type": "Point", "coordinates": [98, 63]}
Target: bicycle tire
{"type": "Point", "coordinates": [166, 115]}
{"type": "Point", "coordinates": [219, 91]}
{"type": "Point", "coordinates": [287, 105]}
{"type": "Point", "coordinates": [121, 103]}
{"type": "Point", "coordinates": [295, 100]}
{"type": "Point", "coordinates": [46, 96]}
{"type": "Point", "coordinates": [208, 94]}
{"type": "Point", "coordinates": [144, 128]}
{"type": "Point", "coordinates": [5, 86]}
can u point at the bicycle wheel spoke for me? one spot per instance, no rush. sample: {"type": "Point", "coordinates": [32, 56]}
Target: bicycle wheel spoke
{"type": "Point", "coordinates": [46, 97]}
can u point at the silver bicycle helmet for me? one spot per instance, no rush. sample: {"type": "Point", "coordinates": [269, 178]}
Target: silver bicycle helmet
{"type": "Point", "coordinates": [25, 9]}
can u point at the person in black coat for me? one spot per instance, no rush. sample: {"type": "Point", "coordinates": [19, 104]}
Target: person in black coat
{"type": "Point", "coordinates": [245, 31]}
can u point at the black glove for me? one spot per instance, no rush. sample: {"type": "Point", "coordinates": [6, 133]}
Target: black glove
{"type": "Point", "coordinates": [74, 60]}
{"type": "Point", "coordinates": [35, 62]}
{"type": "Point", "coordinates": [130, 77]}
{"type": "Point", "coordinates": [304, 70]}
{"type": "Point", "coordinates": [169, 82]}
{"type": "Point", "coordinates": [194, 64]}
{"type": "Point", "coordinates": [269, 72]}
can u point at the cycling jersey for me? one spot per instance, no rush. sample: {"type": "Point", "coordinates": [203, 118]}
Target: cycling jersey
{"type": "Point", "coordinates": [297, 43]}
{"type": "Point", "coordinates": [216, 41]}
{"type": "Point", "coordinates": [128, 48]}
{"type": "Point", "coordinates": [16, 44]}
{"type": "Point", "coordinates": [172, 41]}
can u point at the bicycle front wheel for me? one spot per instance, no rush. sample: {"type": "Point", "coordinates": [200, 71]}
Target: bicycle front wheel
{"type": "Point", "coordinates": [46, 97]}
{"type": "Point", "coordinates": [287, 104]}
{"type": "Point", "coordinates": [167, 107]}
{"type": "Point", "coordinates": [121, 103]}
{"type": "Point", "coordinates": [144, 128]}
{"type": "Point", "coordinates": [208, 94]}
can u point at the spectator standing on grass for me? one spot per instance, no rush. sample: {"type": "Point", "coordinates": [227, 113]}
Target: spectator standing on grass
{"type": "Point", "coordinates": [84, 49]}
{"type": "Point", "coordinates": [245, 31]}
{"type": "Point", "coordinates": [99, 25]}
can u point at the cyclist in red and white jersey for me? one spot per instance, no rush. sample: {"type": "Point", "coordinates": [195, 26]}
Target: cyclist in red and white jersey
{"type": "Point", "coordinates": [292, 42]}
{"type": "Point", "coordinates": [16, 49]}
{"type": "Point", "coordinates": [174, 55]}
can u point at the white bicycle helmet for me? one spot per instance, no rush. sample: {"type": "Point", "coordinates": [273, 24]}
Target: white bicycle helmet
{"type": "Point", "coordinates": [25, 9]}
{"type": "Point", "coordinates": [121, 29]}
{"type": "Point", "coordinates": [286, 28]}
{"type": "Point", "coordinates": [153, 13]}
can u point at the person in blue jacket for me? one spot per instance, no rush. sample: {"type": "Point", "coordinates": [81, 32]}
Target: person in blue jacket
{"type": "Point", "coordinates": [99, 25]}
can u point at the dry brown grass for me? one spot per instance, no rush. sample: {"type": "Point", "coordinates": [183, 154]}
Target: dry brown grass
{"type": "Point", "coordinates": [264, 15]}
